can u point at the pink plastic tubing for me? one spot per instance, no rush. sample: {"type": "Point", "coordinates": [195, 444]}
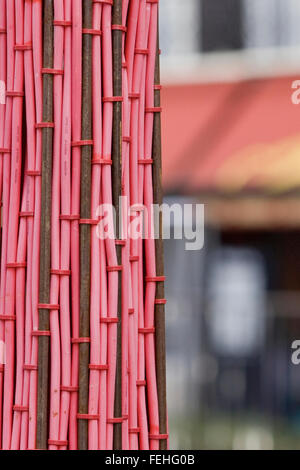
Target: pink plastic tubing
{"type": "Point", "coordinates": [21, 83]}
{"type": "Point", "coordinates": [28, 433]}
{"type": "Point", "coordinates": [111, 254]}
{"type": "Point", "coordinates": [75, 206]}
{"type": "Point", "coordinates": [149, 242]}
{"type": "Point", "coordinates": [10, 35]}
{"type": "Point", "coordinates": [13, 218]}
{"type": "Point", "coordinates": [65, 191]}
{"type": "Point", "coordinates": [95, 355]}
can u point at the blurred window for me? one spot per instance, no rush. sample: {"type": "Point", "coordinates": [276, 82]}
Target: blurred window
{"type": "Point", "coordinates": [221, 25]}
{"type": "Point", "coordinates": [199, 26]}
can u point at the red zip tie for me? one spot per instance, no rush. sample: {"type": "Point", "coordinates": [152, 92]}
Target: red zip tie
{"type": "Point", "coordinates": [130, 311]}
{"type": "Point", "coordinates": [88, 222]}
{"type": "Point", "coordinates": [146, 331]}
{"type": "Point", "coordinates": [119, 27]}
{"type": "Point", "coordinates": [53, 442]}
{"type": "Point", "coordinates": [109, 320]}
{"type": "Point", "coordinates": [157, 87]}
{"type": "Point", "coordinates": [141, 383]}
{"type": "Point", "coordinates": [80, 340]}
{"type": "Point", "coordinates": [120, 242]}
{"type": "Point", "coordinates": [93, 32]}
{"type": "Point", "coordinates": [160, 301]}
{"type": "Point", "coordinates": [3, 150]}
{"type": "Point", "coordinates": [48, 307]}
{"type": "Point", "coordinates": [30, 367]}
{"type": "Point", "coordinates": [61, 272]}
{"type": "Point", "coordinates": [3, 31]}
{"type": "Point", "coordinates": [155, 279]}
{"type": "Point", "coordinates": [33, 173]}
{"type": "Point", "coordinates": [159, 437]}
{"type": "Point", "coordinates": [112, 269]}
{"type": "Point", "coordinates": [52, 71]}
{"type": "Point", "coordinates": [41, 333]}
{"type": "Point", "coordinates": [23, 47]}
{"type": "Point", "coordinates": [124, 65]}
{"type": "Point", "coordinates": [16, 265]}
{"type": "Point", "coordinates": [87, 416]}
{"type": "Point", "coordinates": [69, 388]}
{"type": "Point", "coordinates": [18, 94]}
{"type": "Point", "coordinates": [152, 1]}
{"type": "Point", "coordinates": [126, 139]}
{"type": "Point", "coordinates": [1, 367]}
{"type": "Point", "coordinates": [98, 366]}
{"type": "Point", "coordinates": [8, 317]}
{"type": "Point", "coordinates": [134, 430]}
{"type": "Point", "coordinates": [82, 143]}
{"type": "Point", "coordinates": [20, 408]}
{"type": "Point", "coordinates": [44, 125]}
{"type": "Point", "coordinates": [62, 23]}
{"type": "Point", "coordinates": [134, 96]}
{"type": "Point", "coordinates": [153, 110]}
{"type": "Point", "coordinates": [71, 217]}
{"type": "Point", "coordinates": [108, 2]}
{"type": "Point", "coordinates": [26, 214]}
{"type": "Point", "coordinates": [145, 161]}
{"type": "Point", "coordinates": [141, 51]}
{"type": "Point", "coordinates": [112, 99]}
{"type": "Point", "coordinates": [101, 161]}
{"type": "Point", "coordinates": [134, 258]}
{"type": "Point", "coordinates": [115, 420]}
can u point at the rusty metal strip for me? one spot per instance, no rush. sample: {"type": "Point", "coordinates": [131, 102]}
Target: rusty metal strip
{"type": "Point", "coordinates": [117, 188]}
{"type": "Point", "coordinates": [160, 341]}
{"type": "Point", "coordinates": [45, 240]}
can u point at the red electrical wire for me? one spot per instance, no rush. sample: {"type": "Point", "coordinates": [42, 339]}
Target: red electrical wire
{"type": "Point", "coordinates": [95, 354]}
{"type": "Point", "coordinates": [3, 60]}
{"type": "Point", "coordinates": [13, 217]}
{"type": "Point", "coordinates": [75, 207]}
{"type": "Point", "coordinates": [65, 191]}
{"type": "Point", "coordinates": [149, 242]}
{"type": "Point", "coordinates": [29, 421]}
{"type": "Point", "coordinates": [111, 256]}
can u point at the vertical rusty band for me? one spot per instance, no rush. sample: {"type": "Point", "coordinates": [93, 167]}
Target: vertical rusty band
{"type": "Point", "coordinates": [45, 240]}
{"type": "Point", "coordinates": [117, 191]}
{"type": "Point", "coordinates": [85, 229]}
{"type": "Point", "coordinates": [159, 315]}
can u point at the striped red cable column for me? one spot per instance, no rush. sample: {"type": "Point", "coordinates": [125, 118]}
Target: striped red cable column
{"type": "Point", "coordinates": [81, 305]}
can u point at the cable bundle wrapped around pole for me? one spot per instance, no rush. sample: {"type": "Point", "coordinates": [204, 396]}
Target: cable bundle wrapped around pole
{"type": "Point", "coordinates": [82, 307]}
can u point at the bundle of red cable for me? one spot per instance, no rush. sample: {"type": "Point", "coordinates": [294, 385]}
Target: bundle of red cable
{"type": "Point", "coordinates": [22, 127]}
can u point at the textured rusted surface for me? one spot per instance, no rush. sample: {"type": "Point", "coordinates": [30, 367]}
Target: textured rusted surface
{"type": "Point", "coordinates": [45, 251]}
{"type": "Point", "coordinates": [85, 229]}
{"type": "Point", "coordinates": [117, 188]}
{"type": "Point", "coordinates": [160, 342]}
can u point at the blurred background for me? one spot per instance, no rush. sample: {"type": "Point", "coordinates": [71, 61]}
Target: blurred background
{"type": "Point", "coordinates": [231, 141]}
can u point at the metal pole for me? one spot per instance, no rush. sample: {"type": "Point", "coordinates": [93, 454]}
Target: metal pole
{"type": "Point", "coordinates": [160, 341]}
{"type": "Point", "coordinates": [117, 191]}
{"type": "Point", "coordinates": [85, 227]}
{"type": "Point", "coordinates": [45, 234]}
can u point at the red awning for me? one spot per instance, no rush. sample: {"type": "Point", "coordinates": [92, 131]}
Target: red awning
{"type": "Point", "coordinates": [231, 137]}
